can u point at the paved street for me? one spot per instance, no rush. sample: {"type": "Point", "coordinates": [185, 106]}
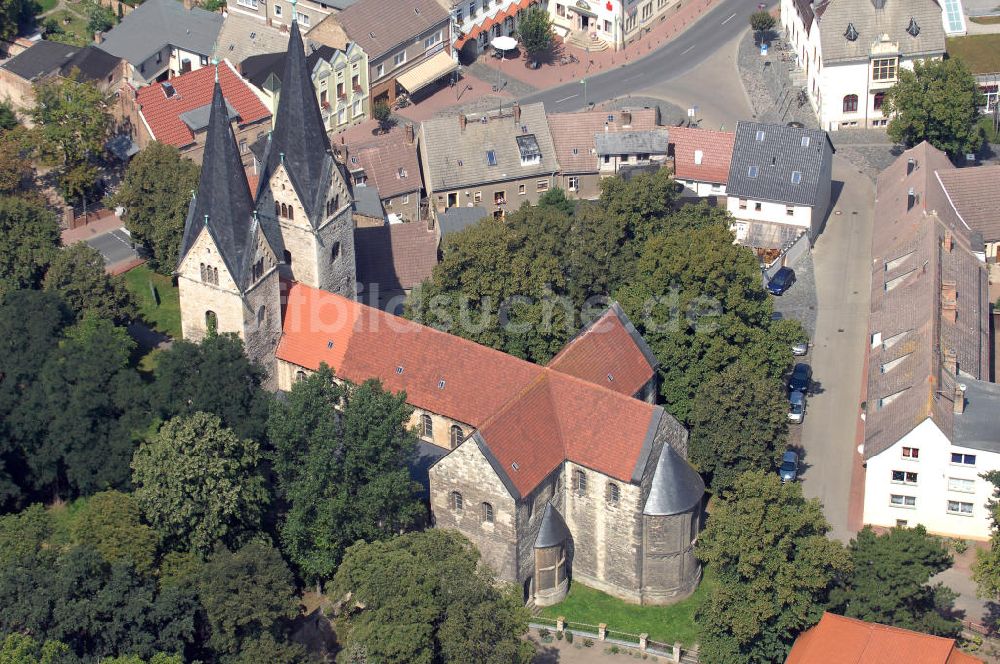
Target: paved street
{"type": "Point", "coordinates": [696, 44]}
{"type": "Point", "coordinates": [843, 277]}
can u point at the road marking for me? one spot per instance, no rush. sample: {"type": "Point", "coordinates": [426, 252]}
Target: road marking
{"type": "Point", "coordinates": [687, 49]}
{"type": "Point", "coordinates": [559, 101]}
{"type": "Point", "coordinates": [729, 19]}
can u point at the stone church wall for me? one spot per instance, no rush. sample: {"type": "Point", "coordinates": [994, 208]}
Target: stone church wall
{"type": "Point", "coordinates": [529, 518]}
{"type": "Point", "coordinates": [198, 297]}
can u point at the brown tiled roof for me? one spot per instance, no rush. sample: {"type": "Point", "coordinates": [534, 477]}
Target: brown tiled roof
{"type": "Point", "coordinates": [975, 195]}
{"type": "Point", "coordinates": [390, 163]}
{"type": "Point", "coordinates": [395, 256]}
{"type": "Point", "coordinates": [573, 135]}
{"type": "Point", "coordinates": [379, 26]}
{"type": "Point", "coordinates": [717, 153]}
{"type": "Point", "coordinates": [906, 380]}
{"type": "Point", "coordinates": [528, 416]}
{"type": "Point", "coordinates": [840, 640]}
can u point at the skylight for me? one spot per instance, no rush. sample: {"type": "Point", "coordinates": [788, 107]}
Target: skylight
{"type": "Point", "coordinates": [805, 141]}
{"type": "Point", "coordinates": [760, 135]}
{"type": "Point", "coordinates": [796, 177]}
{"type": "Point", "coordinates": [752, 172]}
{"type": "Point", "coordinates": [491, 157]}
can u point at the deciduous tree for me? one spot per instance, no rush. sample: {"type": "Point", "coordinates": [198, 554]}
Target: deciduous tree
{"type": "Point", "coordinates": [776, 568]}
{"type": "Point", "coordinates": [155, 193]}
{"type": "Point", "coordinates": [986, 570]}
{"type": "Point", "coordinates": [199, 484]}
{"type": "Point", "coordinates": [15, 167]}
{"type": "Point", "coordinates": [29, 239]}
{"type": "Point", "coordinates": [78, 274]}
{"type": "Point", "coordinates": [760, 22]}
{"type": "Point", "coordinates": [110, 522]}
{"type": "Point", "coordinates": [22, 649]}
{"type": "Point", "coordinates": [535, 31]}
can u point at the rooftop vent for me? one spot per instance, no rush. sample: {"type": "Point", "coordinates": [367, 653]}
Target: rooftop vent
{"type": "Point", "coordinates": [913, 28]}
{"type": "Point", "coordinates": [911, 165]}
{"type": "Point", "coordinates": [441, 384]}
{"type": "Point", "coordinates": [851, 34]}
{"type": "Point", "coordinates": [329, 344]}
{"type": "Point", "coordinates": [611, 378]}
{"type": "Point", "coordinates": [514, 465]}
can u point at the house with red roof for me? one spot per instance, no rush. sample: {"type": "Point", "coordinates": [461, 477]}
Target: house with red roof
{"type": "Point", "coordinates": [840, 640]}
{"type": "Point", "coordinates": [176, 112]}
{"type": "Point", "coordinates": [553, 471]}
{"type": "Point", "coordinates": [701, 159]}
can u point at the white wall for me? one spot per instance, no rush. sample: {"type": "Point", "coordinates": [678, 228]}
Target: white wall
{"type": "Point", "coordinates": [701, 189]}
{"type": "Point", "coordinates": [775, 213]}
{"type": "Point", "coordinates": [933, 468]}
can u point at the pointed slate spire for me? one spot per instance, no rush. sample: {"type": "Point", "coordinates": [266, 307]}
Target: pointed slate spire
{"type": "Point", "coordinates": [676, 486]}
{"type": "Point", "coordinates": [223, 202]}
{"type": "Point", "coordinates": [299, 139]}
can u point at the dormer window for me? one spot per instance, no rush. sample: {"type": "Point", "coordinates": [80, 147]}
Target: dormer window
{"type": "Point", "coordinates": [851, 34]}
{"type": "Point", "coordinates": [527, 146]}
{"type": "Point", "coordinates": [913, 28]}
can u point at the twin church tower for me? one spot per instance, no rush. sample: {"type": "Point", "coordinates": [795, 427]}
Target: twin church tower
{"type": "Point", "coordinates": [238, 245]}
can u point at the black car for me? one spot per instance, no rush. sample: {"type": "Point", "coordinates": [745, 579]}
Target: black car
{"type": "Point", "coordinates": [781, 281]}
{"type": "Point", "coordinates": [800, 379]}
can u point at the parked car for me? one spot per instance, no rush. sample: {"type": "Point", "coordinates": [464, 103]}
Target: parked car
{"type": "Point", "coordinates": [781, 281]}
{"type": "Point", "coordinates": [800, 349]}
{"type": "Point", "coordinates": [796, 407]}
{"type": "Point", "coordinates": [789, 469]}
{"type": "Point", "coordinates": [800, 379]}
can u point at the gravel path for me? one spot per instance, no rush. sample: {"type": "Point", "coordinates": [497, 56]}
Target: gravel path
{"type": "Point", "coordinates": [768, 82]}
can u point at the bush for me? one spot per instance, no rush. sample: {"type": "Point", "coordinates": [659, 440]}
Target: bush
{"type": "Point", "coordinates": [960, 546]}
{"type": "Point", "coordinates": [569, 637]}
{"type": "Point", "coordinates": [588, 643]}
{"type": "Point", "coordinates": [614, 650]}
{"type": "Point", "coordinates": [559, 636]}
{"type": "Point", "coordinates": [543, 632]}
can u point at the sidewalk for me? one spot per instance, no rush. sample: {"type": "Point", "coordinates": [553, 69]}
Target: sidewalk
{"type": "Point", "coordinates": [551, 74]}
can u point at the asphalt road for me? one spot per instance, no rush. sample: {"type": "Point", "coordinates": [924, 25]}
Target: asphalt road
{"type": "Point", "coordinates": [115, 246]}
{"type": "Point", "coordinates": [842, 260]}
{"type": "Point", "coordinates": [695, 44]}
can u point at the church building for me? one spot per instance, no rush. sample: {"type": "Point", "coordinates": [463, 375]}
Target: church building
{"type": "Point", "coordinates": [556, 472]}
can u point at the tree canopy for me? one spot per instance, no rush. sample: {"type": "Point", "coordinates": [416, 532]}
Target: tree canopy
{"type": "Point", "coordinates": [986, 570]}
{"type": "Point", "coordinates": [199, 484]}
{"type": "Point", "coordinates": [29, 240]}
{"type": "Point", "coordinates": [155, 193]}
{"type": "Point", "coordinates": [436, 605]}
{"type": "Point", "coordinates": [535, 31]}
{"type": "Point", "coordinates": [776, 568]}
{"type": "Point", "coordinates": [15, 166]}
{"type": "Point", "coordinates": [110, 522]}
{"type": "Point", "coordinates": [937, 102]}
{"type": "Point", "coordinates": [77, 273]}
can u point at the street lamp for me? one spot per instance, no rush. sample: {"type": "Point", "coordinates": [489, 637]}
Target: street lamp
{"type": "Point", "coordinates": [584, 82]}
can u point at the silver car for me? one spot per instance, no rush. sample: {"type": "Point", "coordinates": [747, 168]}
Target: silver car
{"type": "Point", "coordinates": [796, 407]}
{"type": "Point", "coordinates": [800, 349]}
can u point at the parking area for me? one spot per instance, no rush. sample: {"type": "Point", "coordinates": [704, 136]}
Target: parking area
{"type": "Point", "coordinates": [115, 246]}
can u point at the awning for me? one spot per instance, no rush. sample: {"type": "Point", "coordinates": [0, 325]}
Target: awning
{"type": "Point", "coordinates": [427, 72]}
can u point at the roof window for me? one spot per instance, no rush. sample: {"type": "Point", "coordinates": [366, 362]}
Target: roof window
{"type": "Point", "coordinates": [752, 172]}
{"type": "Point", "coordinates": [760, 134]}
{"type": "Point", "coordinates": [399, 369]}
{"type": "Point", "coordinates": [491, 158]}
{"type": "Point", "coordinates": [329, 344]}
{"type": "Point", "coordinates": [805, 141]}
{"type": "Point", "coordinates": [796, 177]}
{"type": "Point", "coordinates": [441, 384]}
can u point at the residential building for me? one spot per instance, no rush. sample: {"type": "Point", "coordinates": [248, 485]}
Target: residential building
{"type": "Point", "coordinates": [779, 183]}
{"type": "Point", "coordinates": [930, 412]}
{"type": "Point", "coordinates": [368, 210]}
{"type": "Point", "coordinates": [974, 196]}
{"type": "Point", "coordinates": [339, 77]}
{"type": "Point", "coordinates": [243, 36]}
{"type": "Point", "coordinates": [496, 159]}
{"type": "Point", "coordinates": [163, 38]}
{"type": "Point", "coordinates": [45, 59]}
{"type": "Point", "coordinates": [840, 640]}
{"type": "Point", "coordinates": [392, 259]}
{"type": "Point", "coordinates": [408, 44]}
{"type": "Point", "coordinates": [598, 25]}
{"type": "Point", "coordinates": [388, 163]}
{"type": "Point", "coordinates": [475, 23]}
{"type": "Point", "coordinates": [309, 13]}
{"type": "Point", "coordinates": [700, 159]}
{"type": "Point", "coordinates": [560, 471]}
{"type": "Point", "coordinates": [176, 112]}
{"type": "Point", "coordinates": [575, 137]}
{"type": "Point", "coordinates": [850, 52]}
{"type": "Point", "coordinates": [456, 219]}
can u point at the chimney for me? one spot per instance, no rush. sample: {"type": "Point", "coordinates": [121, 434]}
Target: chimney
{"type": "Point", "coordinates": [517, 113]}
{"type": "Point", "coordinates": [947, 242]}
{"type": "Point", "coordinates": [911, 165]}
{"type": "Point", "coordinates": [951, 361]}
{"type": "Point", "coordinates": [949, 300]}
{"type": "Point", "coordinates": [959, 399]}
{"type": "Point", "coordinates": [626, 118]}
{"type": "Point", "coordinates": [462, 120]}
{"type": "Point", "coordinates": [409, 133]}
{"type": "Point", "coordinates": [99, 37]}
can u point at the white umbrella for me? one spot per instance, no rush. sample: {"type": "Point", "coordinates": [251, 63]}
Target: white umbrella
{"type": "Point", "coordinates": [504, 43]}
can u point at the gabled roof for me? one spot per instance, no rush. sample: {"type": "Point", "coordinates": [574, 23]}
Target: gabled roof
{"type": "Point", "coordinates": [156, 23]}
{"type": "Point", "coordinates": [907, 382]}
{"type": "Point", "coordinates": [380, 27]}
{"type": "Point", "coordinates": [223, 203]}
{"type": "Point", "coordinates": [487, 151]}
{"type": "Point", "coordinates": [573, 134]}
{"type": "Point", "coordinates": [974, 193]}
{"type": "Point", "coordinates": [93, 63]}
{"type": "Point", "coordinates": [257, 68]}
{"type": "Point", "coordinates": [716, 148]}
{"type": "Point", "coordinates": [44, 57]}
{"type": "Point", "coordinates": [299, 141]}
{"type": "Point", "coordinates": [529, 418]}
{"type": "Point", "coordinates": [872, 23]}
{"type": "Point", "coordinates": [652, 141]}
{"type": "Point", "coordinates": [767, 157]}
{"type": "Point", "coordinates": [242, 36]}
{"type": "Point", "coordinates": [174, 119]}
{"type": "Point", "coordinates": [389, 161]}
{"type": "Point", "coordinates": [840, 640]}
{"type": "Point", "coordinates": [368, 202]}
{"type": "Point", "coordinates": [394, 256]}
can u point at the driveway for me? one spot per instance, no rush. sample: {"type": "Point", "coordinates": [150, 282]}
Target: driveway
{"type": "Point", "coordinates": [842, 263]}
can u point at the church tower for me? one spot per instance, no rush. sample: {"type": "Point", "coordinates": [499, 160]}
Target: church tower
{"type": "Point", "coordinates": [303, 198]}
{"type": "Point", "coordinates": [228, 272]}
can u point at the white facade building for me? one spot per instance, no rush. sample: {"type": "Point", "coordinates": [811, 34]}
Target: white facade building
{"type": "Point", "coordinates": [851, 52]}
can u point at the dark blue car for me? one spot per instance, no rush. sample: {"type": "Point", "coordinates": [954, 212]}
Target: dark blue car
{"type": "Point", "coordinates": [781, 281]}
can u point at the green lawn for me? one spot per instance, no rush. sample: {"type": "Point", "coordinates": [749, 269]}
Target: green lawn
{"type": "Point", "coordinates": [663, 623]}
{"type": "Point", "coordinates": [46, 5]}
{"type": "Point", "coordinates": [164, 317]}
{"type": "Point", "coordinates": [73, 27]}
{"type": "Point", "coordinates": [986, 122]}
{"type": "Point", "coordinates": [980, 52]}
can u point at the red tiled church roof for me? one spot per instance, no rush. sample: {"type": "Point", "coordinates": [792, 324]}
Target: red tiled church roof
{"type": "Point", "coordinates": [529, 416]}
{"type": "Point", "coordinates": [191, 91]}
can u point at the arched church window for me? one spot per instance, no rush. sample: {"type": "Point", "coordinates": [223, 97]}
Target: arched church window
{"type": "Point", "coordinates": [456, 501]}
{"type": "Point", "coordinates": [487, 513]}
{"type": "Point", "coordinates": [426, 426]}
{"type": "Point", "coordinates": [284, 210]}
{"type": "Point", "coordinates": [277, 209]}
{"type": "Point", "coordinates": [291, 211]}
{"type": "Point", "coordinates": [456, 436]}
{"type": "Point", "coordinates": [287, 256]}
{"type": "Point", "coordinates": [614, 493]}
{"type": "Point", "coordinates": [215, 276]}
{"type": "Point", "coordinates": [300, 375]}
{"type": "Point", "coordinates": [211, 321]}
{"type": "Point", "coordinates": [203, 273]}
{"type": "Point", "coordinates": [261, 314]}
{"type": "Point", "coordinates": [579, 482]}
{"type": "Point", "coordinates": [335, 252]}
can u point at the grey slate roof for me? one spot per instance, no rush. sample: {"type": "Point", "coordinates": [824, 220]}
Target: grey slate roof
{"type": "Point", "coordinates": [43, 58]}
{"type": "Point", "coordinates": [458, 158]}
{"type": "Point", "coordinates": [299, 138]}
{"type": "Point", "coordinates": [223, 202]}
{"type": "Point", "coordinates": [368, 202]}
{"type": "Point", "coordinates": [872, 23]}
{"type": "Point", "coordinates": [632, 142]}
{"type": "Point", "coordinates": [553, 530]}
{"type": "Point", "coordinates": [455, 219]}
{"type": "Point", "coordinates": [774, 160]}
{"type": "Point", "coordinates": [257, 68]}
{"type": "Point", "coordinates": [156, 23]}
{"type": "Point", "coordinates": [676, 486]}
{"type": "Point", "coordinates": [198, 118]}
{"type": "Point", "coordinates": [977, 426]}
{"type": "Point", "coordinates": [93, 63]}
